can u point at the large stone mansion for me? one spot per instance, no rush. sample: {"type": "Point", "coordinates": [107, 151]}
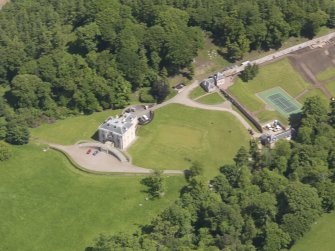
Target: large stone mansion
{"type": "Point", "coordinates": [119, 130]}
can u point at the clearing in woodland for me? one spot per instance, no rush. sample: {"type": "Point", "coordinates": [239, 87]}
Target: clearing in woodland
{"type": "Point", "coordinates": [179, 135]}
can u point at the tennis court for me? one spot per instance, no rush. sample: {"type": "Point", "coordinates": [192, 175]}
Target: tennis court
{"type": "Point", "coordinates": [281, 101]}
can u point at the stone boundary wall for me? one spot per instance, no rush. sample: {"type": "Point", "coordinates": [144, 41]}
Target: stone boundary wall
{"type": "Point", "coordinates": [242, 109]}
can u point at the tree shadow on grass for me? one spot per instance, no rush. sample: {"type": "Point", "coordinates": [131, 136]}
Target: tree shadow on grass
{"type": "Point", "coordinates": [294, 120]}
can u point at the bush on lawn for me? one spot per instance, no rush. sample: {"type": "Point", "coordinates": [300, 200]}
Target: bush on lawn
{"type": "Point", "coordinates": [5, 152]}
{"type": "Point", "coordinates": [145, 96]}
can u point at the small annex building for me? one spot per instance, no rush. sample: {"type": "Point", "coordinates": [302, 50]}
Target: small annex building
{"type": "Point", "coordinates": [269, 139]}
{"type": "Point", "coordinates": [209, 84]}
{"type": "Point", "coordinates": [121, 131]}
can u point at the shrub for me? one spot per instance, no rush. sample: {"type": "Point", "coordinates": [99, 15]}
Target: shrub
{"type": "Point", "coordinates": [250, 71]}
{"type": "Point", "coordinates": [145, 96]}
{"type": "Point", "coordinates": [5, 152]}
{"type": "Point", "coordinates": [17, 134]}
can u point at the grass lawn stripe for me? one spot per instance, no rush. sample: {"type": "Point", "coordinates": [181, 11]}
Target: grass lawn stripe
{"type": "Point", "coordinates": [327, 74]}
{"type": "Point", "coordinates": [197, 92]}
{"type": "Point", "coordinates": [211, 99]}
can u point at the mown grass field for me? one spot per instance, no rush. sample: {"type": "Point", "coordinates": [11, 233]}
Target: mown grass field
{"type": "Point", "coordinates": [179, 134]}
{"type": "Point", "coordinates": [211, 99]}
{"type": "Point", "coordinates": [197, 92]}
{"type": "Point", "coordinates": [70, 130]}
{"type": "Point", "coordinates": [327, 74]}
{"type": "Point", "coordinates": [279, 73]}
{"type": "Point", "coordinates": [48, 205]}
{"type": "Point", "coordinates": [320, 237]}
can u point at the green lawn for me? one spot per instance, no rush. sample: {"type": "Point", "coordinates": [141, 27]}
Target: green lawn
{"type": "Point", "coordinates": [241, 91]}
{"type": "Point", "coordinates": [331, 87]}
{"type": "Point", "coordinates": [320, 237]}
{"type": "Point", "coordinates": [314, 92]}
{"type": "Point", "coordinates": [280, 73]}
{"type": "Point", "coordinates": [179, 134]}
{"type": "Point", "coordinates": [327, 74]}
{"type": "Point", "coordinates": [211, 99]}
{"type": "Point", "coordinates": [197, 92]}
{"type": "Point", "coordinates": [48, 205]}
{"type": "Point", "coordinates": [70, 130]}
{"type": "Point", "coordinates": [268, 116]}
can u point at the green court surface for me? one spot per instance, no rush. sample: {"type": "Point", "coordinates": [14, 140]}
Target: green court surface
{"type": "Point", "coordinates": [281, 101]}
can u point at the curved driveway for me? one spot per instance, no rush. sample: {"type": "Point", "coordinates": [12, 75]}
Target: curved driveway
{"type": "Point", "coordinates": [183, 98]}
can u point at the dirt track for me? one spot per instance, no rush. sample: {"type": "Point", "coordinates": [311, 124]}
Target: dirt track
{"type": "Point", "coordinates": [309, 63]}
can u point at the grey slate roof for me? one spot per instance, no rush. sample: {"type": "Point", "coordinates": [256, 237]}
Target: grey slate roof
{"type": "Point", "coordinates": [219, 76]}
{"type": "Point", "coordinates": [208, 83]}
{"type": "Point", "coordinates": [272, 138]}
{"type": "Point", "coordinates": [119, 125]}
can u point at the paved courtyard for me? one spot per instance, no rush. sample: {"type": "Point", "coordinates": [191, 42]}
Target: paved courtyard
{"type": "Point", "coordinates": [102, 162]}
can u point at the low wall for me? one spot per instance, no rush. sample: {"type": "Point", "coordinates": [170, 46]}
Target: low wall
{"type": "Point", "coordinates": [242, 109]}
{"type": "Point", "coordinates": [82, 169]}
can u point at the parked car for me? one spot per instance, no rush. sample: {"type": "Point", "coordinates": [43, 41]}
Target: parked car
{"type": "Point", "coordinates": [89, 151]}
{"type": "Point", "coordinates": [95, 152]}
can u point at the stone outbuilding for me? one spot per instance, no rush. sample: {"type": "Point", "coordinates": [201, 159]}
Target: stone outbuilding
{"type": "Point", "coordinates": [210, 84]}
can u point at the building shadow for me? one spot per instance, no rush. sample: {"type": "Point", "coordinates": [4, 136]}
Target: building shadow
{"type": "Point", "coordinates": [95, 136]}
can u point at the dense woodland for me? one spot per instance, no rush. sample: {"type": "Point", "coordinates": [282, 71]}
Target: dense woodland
{"type": "Point", "coordinates": [65, 57]}
{"type": "Point", "coordinates": [265, 201]}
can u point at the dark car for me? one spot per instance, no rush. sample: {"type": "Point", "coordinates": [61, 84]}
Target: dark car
{"type": "Point", "coordinates": [95, 152]}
